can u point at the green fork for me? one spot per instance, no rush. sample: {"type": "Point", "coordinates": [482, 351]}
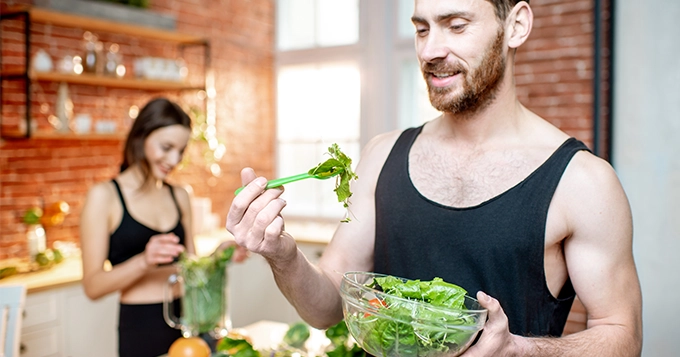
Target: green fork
{"type": "Point", "coordinates": [284, 180]}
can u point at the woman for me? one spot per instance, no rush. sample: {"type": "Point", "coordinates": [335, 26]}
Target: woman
{"type": "Point", "coordinates": [140, 224]}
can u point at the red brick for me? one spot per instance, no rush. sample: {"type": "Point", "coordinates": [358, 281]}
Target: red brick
{"type": "Point", "coordinates": [58, 169]}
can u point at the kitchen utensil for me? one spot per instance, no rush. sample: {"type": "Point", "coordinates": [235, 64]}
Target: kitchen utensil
{"type": "Point", "coordinates": [204, 297]}
{"type": "Point", "coordinates": [284, 180]}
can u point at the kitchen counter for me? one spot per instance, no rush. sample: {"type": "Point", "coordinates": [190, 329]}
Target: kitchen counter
{"type": "Point", "coordinates": [266, 334]}
{"type": "Point", "coordinates": [71, 270]}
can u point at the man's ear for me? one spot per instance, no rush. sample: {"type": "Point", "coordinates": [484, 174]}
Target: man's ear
{"type": "Point", "coordinates": [519, 24]}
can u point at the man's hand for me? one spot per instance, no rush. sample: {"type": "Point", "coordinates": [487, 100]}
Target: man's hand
{"type": "Point", "coordinates": [496, 339]}
{"type": "Point", "coordinates": [255, 220]}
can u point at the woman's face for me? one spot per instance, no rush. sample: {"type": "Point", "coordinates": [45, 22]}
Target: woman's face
{"type": "Point", "coordinates": [164, 149]}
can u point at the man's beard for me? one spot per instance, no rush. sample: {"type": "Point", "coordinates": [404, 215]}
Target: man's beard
{"type": "Point", "coordinates": [479, 89]}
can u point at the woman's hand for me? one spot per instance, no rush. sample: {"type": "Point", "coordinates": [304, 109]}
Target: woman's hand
{"type": "Point", "coordinates": [162, 249]}
{"type": "Point", "coordinates": [240, 254]}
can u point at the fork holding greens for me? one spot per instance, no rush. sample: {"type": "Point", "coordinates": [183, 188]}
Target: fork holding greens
{"type": "Point", "coordinates": [338, 166]}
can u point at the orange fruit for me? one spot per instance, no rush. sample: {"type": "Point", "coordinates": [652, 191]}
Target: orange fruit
{"type": "Point", "coordinates": [189, 347]}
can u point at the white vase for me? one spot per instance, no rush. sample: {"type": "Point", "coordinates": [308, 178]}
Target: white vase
{"type": "Point", "coordinates": [42, 62]}
{"type": "Point", "coordinates": [35, 236]}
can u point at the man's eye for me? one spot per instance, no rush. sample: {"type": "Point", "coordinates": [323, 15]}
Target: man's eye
{"type": "Point", "coordinates": [422, 32]}
{"type": "Point", "coordinates": [457, 27]}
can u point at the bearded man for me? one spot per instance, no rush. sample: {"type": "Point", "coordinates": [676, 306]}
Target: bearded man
{"type": "Point", "coordinates": [488, 196]}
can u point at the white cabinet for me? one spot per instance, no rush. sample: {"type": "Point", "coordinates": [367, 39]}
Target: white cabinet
{"type": "Point", "coordinates": [41, 332]}
{"type": "Point", "coordinates": [90, 327]}
{"type": "Point", "coordinates": [63, 322]}
{"type": "Point", "coordinates": [254, 295]}
{"type": "Point", "coordinates": [45, 342]}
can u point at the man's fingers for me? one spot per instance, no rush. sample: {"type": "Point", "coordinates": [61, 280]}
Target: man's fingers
{"type": "Point", "coordinates": [497, 321]}
{"type": "Point", "coordinates": [275, 229]}
{"type": "Point", "coordinates": [268, 213]}
{"type": "Point", "coordinates": [244, 202]}
{"type": "Point", "coordinates": [487, 301]}
{"type": "Point", "coordinates": [254, 218]}
{"type": "Point", "coordinates": [247, 175]}
{"type": "Point", "coordinates": [258, 214]}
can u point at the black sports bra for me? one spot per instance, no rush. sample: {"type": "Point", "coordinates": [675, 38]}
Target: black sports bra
{"type": "Point", "coordinates": [131, 237]}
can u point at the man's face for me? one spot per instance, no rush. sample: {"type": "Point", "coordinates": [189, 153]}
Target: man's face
{"type": "Point", "coordinates": [460, 47]}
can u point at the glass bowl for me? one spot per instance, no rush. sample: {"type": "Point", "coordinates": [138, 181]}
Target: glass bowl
{"type": "Point", "coordinates": [388, 325]}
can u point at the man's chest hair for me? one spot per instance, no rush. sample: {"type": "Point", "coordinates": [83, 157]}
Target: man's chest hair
{"type": "Point", "coordinates": [465, 179]}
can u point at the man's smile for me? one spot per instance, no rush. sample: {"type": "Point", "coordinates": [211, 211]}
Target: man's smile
{"type": "Point", "coordinates": [443, 79]}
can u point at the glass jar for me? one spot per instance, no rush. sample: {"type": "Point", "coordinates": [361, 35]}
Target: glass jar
{"type": "Point", "coordinates": [35, 237]}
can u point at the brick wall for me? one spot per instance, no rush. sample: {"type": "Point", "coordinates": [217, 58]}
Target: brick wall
{"type": "Point", "coordinates": [554, 68]}
{"type": "Point", "coordinates": [554, 77]}
{"type": "Point", "coordinates": [43, 171]}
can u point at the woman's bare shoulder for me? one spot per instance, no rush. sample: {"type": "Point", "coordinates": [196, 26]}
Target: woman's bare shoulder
{"type": "Point", "coordinates": [182, 194]}
{"type": "Point", "coordinates": [100, 198]}
{"type": "Point", "coordinates": [101, 194]}
{"type": "Point", "coordinates": [102, 190]}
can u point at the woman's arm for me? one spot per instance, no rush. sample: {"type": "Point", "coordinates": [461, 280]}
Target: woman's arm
{"type": "Point", "coordinates": [184, 202]}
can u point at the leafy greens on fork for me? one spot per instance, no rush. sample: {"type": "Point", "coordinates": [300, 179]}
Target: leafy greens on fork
{"type": "Point", "coordinates": [338, 166]}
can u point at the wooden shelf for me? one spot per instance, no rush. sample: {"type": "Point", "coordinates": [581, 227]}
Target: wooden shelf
{"type": "Point", "coordinates": [96, 80]}
{"type": "Point", "coordinates": [54, 135]}
{"type": "Point", "coordinates": [47, 16]}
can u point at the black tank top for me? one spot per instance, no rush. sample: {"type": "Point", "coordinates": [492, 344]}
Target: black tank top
{"type": "Point", "coordinates": [131, 237]}
{"type": "Point", "coordinates": [497, 246]}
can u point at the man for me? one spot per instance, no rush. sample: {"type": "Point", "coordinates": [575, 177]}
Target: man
{"type": "Point", "coordinates": [488, 196]}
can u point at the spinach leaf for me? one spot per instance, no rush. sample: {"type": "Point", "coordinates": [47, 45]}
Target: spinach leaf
{"type": "Point", "coordinates": [414, 329]}
{"type": "Point", "coordinates": [236, 347]}
{"type": "Point", "coordinates": [339, 162]}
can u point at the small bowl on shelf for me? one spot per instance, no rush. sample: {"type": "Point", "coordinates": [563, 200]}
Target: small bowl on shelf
{"type": "Point", "coordinates": [388, 325]}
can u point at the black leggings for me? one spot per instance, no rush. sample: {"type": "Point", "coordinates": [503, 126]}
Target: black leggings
{"type": "Point", "coordinates": [142, 331]}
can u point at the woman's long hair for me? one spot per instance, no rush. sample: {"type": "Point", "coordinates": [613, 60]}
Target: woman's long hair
{"type": "Point", "coordinates": [157, 113]}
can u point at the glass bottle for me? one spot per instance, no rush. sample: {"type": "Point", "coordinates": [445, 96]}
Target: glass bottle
{"type": "Point", "coordinates": [35, 235]}
{"type": "Point", "coordinates": [90, 55]}
{"type": "Point", "coordinates": [112, 60]}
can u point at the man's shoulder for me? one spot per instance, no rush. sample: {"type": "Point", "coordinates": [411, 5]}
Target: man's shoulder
{"type": "Point", "coordinates": [381, 144]}
{"type": "Point", "coordinates": [585, 164]}
{"type": "Point", "coordinates": [588, 176]}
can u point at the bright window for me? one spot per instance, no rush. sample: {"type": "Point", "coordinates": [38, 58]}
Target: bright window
{"type": "Point", "coordinates": [312, 116]}
{"type": "Point", "coordinates": [346, 71]}
{"type": "Point", "coordinates": [414, 102]}
{"type": "Point", "coordinates": [317, 23]}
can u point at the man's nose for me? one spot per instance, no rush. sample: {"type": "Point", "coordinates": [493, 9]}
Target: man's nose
{"type": "Point", "coordinates": [433, 47]}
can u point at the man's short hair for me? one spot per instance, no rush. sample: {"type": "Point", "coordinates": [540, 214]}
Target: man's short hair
{"type": "Point", "coordinates": [503, 7]}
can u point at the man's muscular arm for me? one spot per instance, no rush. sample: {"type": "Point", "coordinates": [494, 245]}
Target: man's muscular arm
{"type": "Point", "coordinates": [600, 262]}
